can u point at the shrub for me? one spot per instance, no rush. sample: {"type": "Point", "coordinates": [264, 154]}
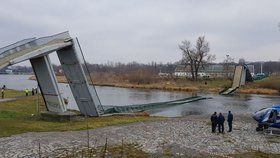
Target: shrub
{"type": "Point", "coordinates": [141, 77]}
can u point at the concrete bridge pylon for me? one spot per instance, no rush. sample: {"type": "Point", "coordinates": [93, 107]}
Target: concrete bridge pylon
{"type": "Point", "coordinates": [69, 54]}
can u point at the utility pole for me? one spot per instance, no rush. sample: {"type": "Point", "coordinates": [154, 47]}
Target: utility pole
{"type": "Point", "coordinates": [261, 67]}
{"type": "Point", "coordinates": [227, 65]}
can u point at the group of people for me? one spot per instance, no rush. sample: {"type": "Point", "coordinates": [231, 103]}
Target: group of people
{"type": "Point", "coordinates": [3, 91]}
{"type": "Point", "coordinates": [33, 91]}
{"type": "Point", "coordinates": [218, 120]}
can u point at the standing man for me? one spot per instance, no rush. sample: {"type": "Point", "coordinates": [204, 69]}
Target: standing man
{"type": "Point", "coordinates": [26, 92]}
{"type": "Point", "coordinates": [221, 120]}
{"type": "Point", "coordinates": [214, 120]}
{"type": "Point", "coordinates": [33, 91]}
{"type": "Point", "coordinates": [3, 93]}
{"type": "Point", "coordinates": [229, 120]}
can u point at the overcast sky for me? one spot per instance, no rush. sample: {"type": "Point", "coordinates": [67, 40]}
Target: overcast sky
{"type": "Point", "coordinates": [149, 30]}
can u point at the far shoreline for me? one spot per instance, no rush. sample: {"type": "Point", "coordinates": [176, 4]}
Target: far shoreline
{"type": "Point", "coordinates": [155, 86]}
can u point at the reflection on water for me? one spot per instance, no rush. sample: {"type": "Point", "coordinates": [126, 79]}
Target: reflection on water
{"type": "Point", "coordinates": [124, 96]}
{"type": "Point", "coordinates": [237, 104]}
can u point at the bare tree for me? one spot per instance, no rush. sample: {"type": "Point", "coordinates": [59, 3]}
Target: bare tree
{"type": "Point", "coordinates": [229, 60]}
{"type": "Point", "coordinates": [197, 56]}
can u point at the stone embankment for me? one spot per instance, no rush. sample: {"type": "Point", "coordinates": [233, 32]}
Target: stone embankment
{"type": "Point", "coordinates": [182, 135]}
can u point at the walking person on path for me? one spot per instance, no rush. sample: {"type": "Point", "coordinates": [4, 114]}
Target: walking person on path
{"type": "Point", "coordinates": [221, 120]}
{"type": "Point", "coordinates": [229, 120]}
{"type": "Point", "coordinates": [214, 120]}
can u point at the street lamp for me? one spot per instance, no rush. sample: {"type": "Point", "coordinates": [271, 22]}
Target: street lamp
{"type": "Point", "coordinates": [227, 65]}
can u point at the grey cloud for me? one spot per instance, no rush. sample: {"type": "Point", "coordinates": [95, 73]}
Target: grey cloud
{"type": "Point", "coordinates": [149, 30]}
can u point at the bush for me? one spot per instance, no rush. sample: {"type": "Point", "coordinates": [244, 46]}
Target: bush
{"type": "Point", "coordinates": [141, 77]}
{"type": "Point", "coordinates": [270, 83]}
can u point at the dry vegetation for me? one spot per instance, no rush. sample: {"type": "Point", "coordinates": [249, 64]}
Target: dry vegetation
{"type": "Point", "coordinates": [255, 154]}
{"type": "Point", "coordinates": [146, 80]}
{"type": "Point", "coordinates": [270, 85]}
{"type": "Point", "coordinates": [134, 150]}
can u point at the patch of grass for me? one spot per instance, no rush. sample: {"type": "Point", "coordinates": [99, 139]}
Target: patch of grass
{"type": "Point", "coordinates": [7, 115]}
{"type": "Point", "coordinates": [13, 93]}
{"type": "Point", "coordinates": [255, 154]}
{"type": "Point", "coordinates": [21, 116]}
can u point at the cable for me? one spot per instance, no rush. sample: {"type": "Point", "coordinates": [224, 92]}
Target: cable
{"type": "Point", "coordinates": [89, 75]}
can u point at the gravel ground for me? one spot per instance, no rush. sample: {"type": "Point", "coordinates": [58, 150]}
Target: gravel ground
{"type": "Point", "coordinates": [187, 134]}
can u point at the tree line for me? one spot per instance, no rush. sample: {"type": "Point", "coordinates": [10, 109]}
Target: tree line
{"type": "Point", "coordinates": [269, 67]}
{"type": "Point", "coordinates": [195, 56]}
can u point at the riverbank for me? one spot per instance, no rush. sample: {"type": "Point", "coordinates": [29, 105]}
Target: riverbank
{"type": "Point", "coordinates": [21, 116]}
{"type": "Point", "coordinates": [181, 137]}
{"type": "Point", "coordinates": [269, 86]}
{"type": "Point", "coordinates": [23, 131]}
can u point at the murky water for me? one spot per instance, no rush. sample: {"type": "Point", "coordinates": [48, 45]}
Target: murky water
{"type": "Point", "coordinates": [125, 96]}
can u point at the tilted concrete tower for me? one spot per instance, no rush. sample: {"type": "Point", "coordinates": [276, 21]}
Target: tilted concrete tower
{"type": "Point", "coordinates": [69, 52]}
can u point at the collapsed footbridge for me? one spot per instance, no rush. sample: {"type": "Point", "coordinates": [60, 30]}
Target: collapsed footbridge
{"type": "Point", "coordinates": [73, 64]}
{"type": "Point", "coordinates": [37, 50]}
{"type": "Point", "coordinates": [241, 76]}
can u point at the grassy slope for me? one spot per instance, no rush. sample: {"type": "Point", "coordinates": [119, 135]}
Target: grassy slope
{"type": "Point", "coordinates": [269, 85]}
{"type": "Point", "coordinates": [16, 117]}
{"type": "Point", "coordinates": [270, 82]}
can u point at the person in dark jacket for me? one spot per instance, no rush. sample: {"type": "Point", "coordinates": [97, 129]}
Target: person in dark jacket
{"type": "Point", "coordinates": [229, 120]}
{"type": "Point", "coordinates": [214, 120]}
{"type": "Point", "coordinates": [33, 91]}
{"type": "Point", "coordinates": [221, 120]}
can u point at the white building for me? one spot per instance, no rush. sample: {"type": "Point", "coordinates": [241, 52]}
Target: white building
{"type": "Point", "coordinates": [210, 71]}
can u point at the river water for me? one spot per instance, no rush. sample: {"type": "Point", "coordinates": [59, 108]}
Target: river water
{"type": "Point", "coordinates": [245, 104]}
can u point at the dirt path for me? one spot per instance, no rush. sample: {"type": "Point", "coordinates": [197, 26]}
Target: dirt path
{"type": "Point", "coordinates": [7, 99]}
{"type": "Point", "coordinates": [180, 134]}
